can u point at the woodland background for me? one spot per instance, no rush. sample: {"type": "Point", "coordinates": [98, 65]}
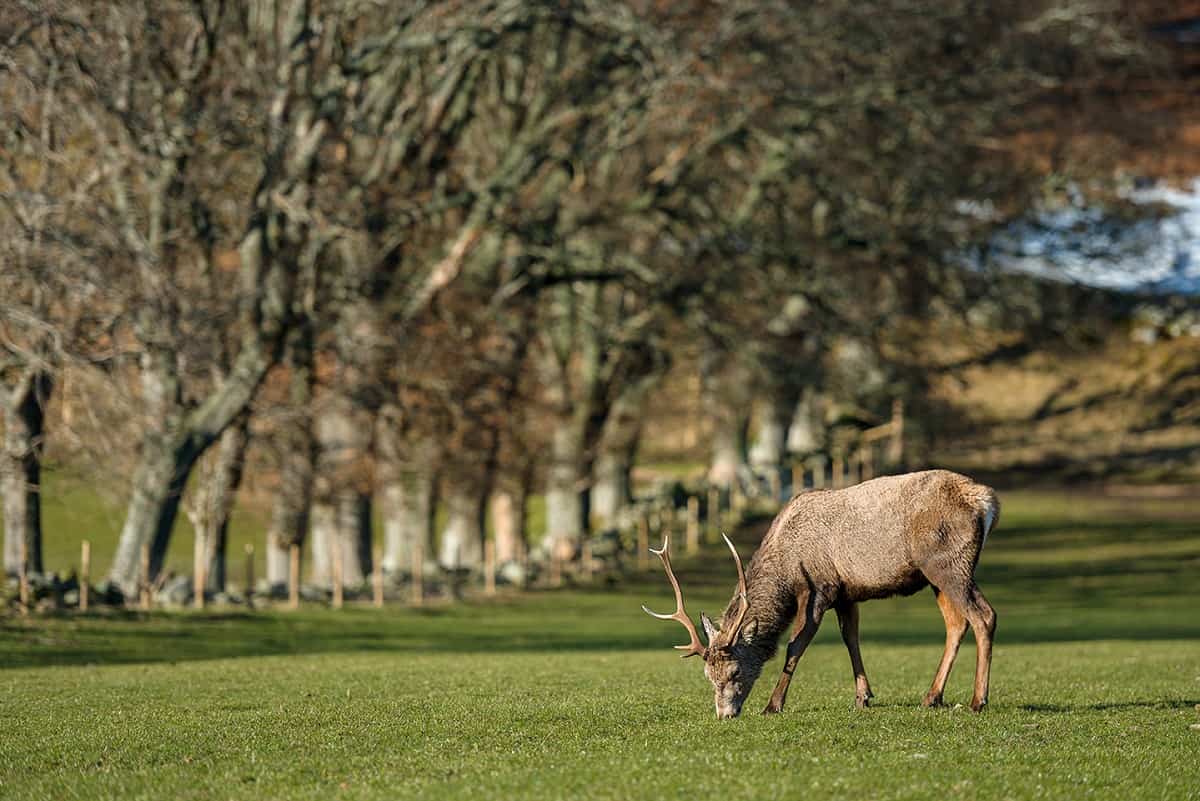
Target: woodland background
{"type": "Point", "coordinates": [385, 279]}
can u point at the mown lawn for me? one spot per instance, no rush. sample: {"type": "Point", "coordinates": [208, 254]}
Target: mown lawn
{"type": "Point", "coordinates": [575, 694]}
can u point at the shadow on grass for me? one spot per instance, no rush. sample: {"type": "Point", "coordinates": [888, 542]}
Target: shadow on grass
{"type": "Point", "coordinates": [1131, 593]}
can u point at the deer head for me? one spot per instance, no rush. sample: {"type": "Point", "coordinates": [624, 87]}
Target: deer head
{"type": "Point", "coordinates": [729, 663]}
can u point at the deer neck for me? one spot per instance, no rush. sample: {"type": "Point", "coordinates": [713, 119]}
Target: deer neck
{"type": "Point", "coordinates": [772, 609]}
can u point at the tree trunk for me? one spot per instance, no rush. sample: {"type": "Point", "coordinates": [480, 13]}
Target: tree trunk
{"type": "Point", "coordinates": [509, 511]}
{"type": "Point", "coordinates": [21, 470]}
{"type": "Point", "coordinates": [566, 490]}
{"type": "Point", "coordinates": [322, 521]}
{"type": "Point", "coordinates": [769, 451]}
{"type": "Point", "coordinates": [177, 436]}
{"type": "Point", "coordinates": [726, 398]}
{"type": "Point", "coordinates": [158, 484]}
{"type": "Point", "coordinates": [407, 493]}
{"type": "Point", "coordinates": [612, 487]}
{"type": "Point", "coordinates": [462, 538]}
{"type": "Point", "coordinates": [728, 448]}
{"type": "Point", "coordinates": [296, 451]}
{"type": "Point", "coordinates": [168, 455]}
{"type": "Point", "coordinates": [212, 500]}
{"type": "Point", "coordinates": [342, 503]}
{"type": "Point", "coordinates": [354, 535]}
{"type": "Point", "coordinates": [290, 510]}
{"type": "Point", "coordinates": [342, 521]}
{"type": "Point", "coordinates": [806, 434]}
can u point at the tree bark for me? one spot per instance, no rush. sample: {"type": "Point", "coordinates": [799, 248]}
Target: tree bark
{"type": "Point", "coordinates": [274, 257]}
{"type": "Point", "coordinates": [462, 538]}
{"type": "Point", "coordinates": [158, 484]}
{"type": "Point", "coordinates": [296, 450]}
{"type": "Point", "coordinates": [322, 522]}
{"type": "Point", "coordinates": [612, 487]}
{"type": "Point", "coordinates": [211, 504]}
{"type": "Point", "coordinates": [21, 468]}
{"type": "Point", "coordinates": [509, 510]}
{"type": "Point", "coordinates": [566, 489]}
{"type": "Point", "coordinates": [770, 450]}
{"type": "Point", "coordinates": [168, 455]}
{"type": "Point", "coordinates": [354, 529]}
{"type": "Point", "coordinates": [407, 495]}
{"type": "Point", "coordinates": [726, 397]}
{"type": "Point", "coordinates": [342, 502]}
{"type": "Point", "coordinates": [806, 434]}
{"type": "Point", "coordinates": [290, 510]}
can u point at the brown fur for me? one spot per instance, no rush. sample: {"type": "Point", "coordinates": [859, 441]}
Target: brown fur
{"type": "Point", "coordinates": [831, 549]}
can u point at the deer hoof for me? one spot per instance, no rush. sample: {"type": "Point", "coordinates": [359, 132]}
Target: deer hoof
{"type": "Point", "coordinates": [978, 705]}
{"type": "Point", "coordinates": [932, 702]}
{"type": "Point", "coordinates": [862, 702]}
{"type": "Point", "coordinates": [773, 709]}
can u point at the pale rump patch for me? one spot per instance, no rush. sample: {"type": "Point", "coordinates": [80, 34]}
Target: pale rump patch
{"type": "Point", "coordinates": [989, 517]}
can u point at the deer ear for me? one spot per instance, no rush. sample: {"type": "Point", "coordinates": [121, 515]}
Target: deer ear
{"type": "Point", "coordinates": [710, 629]}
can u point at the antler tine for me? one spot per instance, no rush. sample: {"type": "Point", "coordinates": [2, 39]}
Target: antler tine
{"type": "Point", "coordinates": [741, 588]}
{"type": "Point", "coordinates": [741, 591]}
{"type": "Point", "coordinates": [680, 615]}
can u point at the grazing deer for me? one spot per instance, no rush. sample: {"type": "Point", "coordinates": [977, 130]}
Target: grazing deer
{"type": "Point", "coordinates": [835, 548]}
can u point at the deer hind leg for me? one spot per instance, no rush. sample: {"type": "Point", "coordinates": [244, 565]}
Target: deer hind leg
{"type": "Point", "coordinates": [982, 618]}
{"type": "Point", "coordinates": [807, 622]}
{"type": "Point", "coordinates": [848, 623]}
{"type": "Point", "coordinates": [956, 627]}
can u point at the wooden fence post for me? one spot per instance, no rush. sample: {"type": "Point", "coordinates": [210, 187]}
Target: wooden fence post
{"type": "Point", "coordinates": [585, 558]}
{"type": "Point", "coordinates": [866, 458]}
{"type": "Point", "coordinates": [377, 576]}
{"type": "Point", "coordinates": [838, 472]}
{"type": "Point", "coordinates": [294, 576]}
{"type": "Point", "coordinates": [249, 575]}
{"type": "Point", "coordinates": [818, 472]}
{"type": "Point", "coordinates": [85, 574]}
{"type": "Point", "coordinates": [23, 576]}
{"type": "Point", "coordinates": [693, 524]}
{"type": "Point", "coordinates": [714, 514]}
{"type": "Point", "coordinates": [775, 485]}
{"type": "Point", "coordinates": [418, 573]}
{"type": "Point", "coordinates": [643, 542]}
{"type": "Point", "coordinates": [489, 567]}
{"type": "Point", "coordinates": [896, 451]}
{"type": "Point", "coordinates": [797, 478]}
{"type": "Point", "coordinates": [198, 565]}
{"type": "Point", "coordinates": [144, 572]}
{"type": "Point", "coordinates": [337, 570]}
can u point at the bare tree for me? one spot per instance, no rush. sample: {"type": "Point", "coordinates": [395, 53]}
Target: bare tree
{"type": "Point", "coordinates": [53, 309]}
{"type": "Point", "coordinates": [153, 86]}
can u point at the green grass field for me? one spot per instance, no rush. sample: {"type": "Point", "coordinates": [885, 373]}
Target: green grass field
{"type": "Point", "coordinates": [576, 694]}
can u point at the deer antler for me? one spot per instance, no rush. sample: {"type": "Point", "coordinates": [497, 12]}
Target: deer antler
{"type": "Point", "coordinates": [695, 646]}
{"type": "Point", "coordinates": [741, 592]}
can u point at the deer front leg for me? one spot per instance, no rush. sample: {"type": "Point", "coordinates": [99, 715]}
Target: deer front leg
{"type": "Point", "coordinates": [807, 623]}
{"type": "Point", "coordinates": [848, 623]}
